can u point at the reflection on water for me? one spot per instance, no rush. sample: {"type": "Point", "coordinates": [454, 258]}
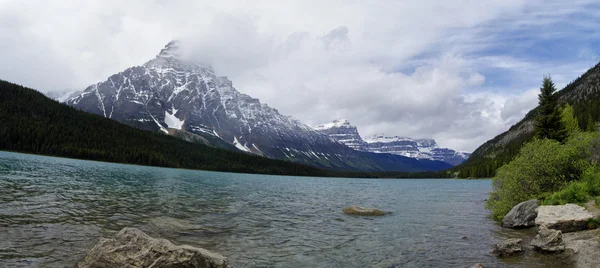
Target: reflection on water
{"type": "Point", "coordinates": [52, 210]}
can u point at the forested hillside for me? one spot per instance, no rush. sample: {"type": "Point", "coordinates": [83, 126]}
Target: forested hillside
{"type": "Point", "coordinates": [32, 123]}
{"type": "Point", "coordinates": [583, 94]}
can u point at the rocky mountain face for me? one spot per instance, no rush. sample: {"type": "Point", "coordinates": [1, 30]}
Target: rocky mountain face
{"type": "Point", "coordinates": [189, 100]}
{"type": "Point", "coordinates": [583, 94]}
{"type": "Point", "coordinates": [343, 132]}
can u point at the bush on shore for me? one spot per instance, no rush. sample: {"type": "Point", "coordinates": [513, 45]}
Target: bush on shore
{"type": "Point", "coordinates": [578, 191]}
{"type": "Point", "coordinates": [545, 167]}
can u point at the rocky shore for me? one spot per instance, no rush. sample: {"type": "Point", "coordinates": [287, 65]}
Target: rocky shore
{"type": "Point", "coordinates": [568, 230]}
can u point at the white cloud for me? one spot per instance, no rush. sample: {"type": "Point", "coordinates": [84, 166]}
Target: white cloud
{"type": "Point", "coordinates": [516, 106]}
{"type": "Point", "coordinates": [403, 68]}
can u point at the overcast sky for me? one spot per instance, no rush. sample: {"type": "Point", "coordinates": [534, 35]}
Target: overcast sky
{"type": "Point", "coordinates": [457, 71]}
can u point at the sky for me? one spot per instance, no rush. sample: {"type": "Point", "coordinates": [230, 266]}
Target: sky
{"type": "Point", "coordinates": [459, 71]}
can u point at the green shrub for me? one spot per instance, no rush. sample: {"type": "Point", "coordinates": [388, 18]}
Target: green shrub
{"type": "Point", "coordinates": [592, 177]}
{"type": "Point", "coordinates": [569, 121]}
{"type": "Point", "coordinates": [541, 168]}
{"type": "Point", "coordinates": [574, 192]}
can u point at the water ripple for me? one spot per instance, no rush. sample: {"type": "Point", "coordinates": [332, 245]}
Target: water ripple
{"type": "Point", "coordinates": [53, 210]}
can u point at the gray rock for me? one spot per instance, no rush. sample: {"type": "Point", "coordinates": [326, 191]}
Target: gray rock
{"type": "Point", "coordinates": [548, 240]}
{"type": "Point", "coordinates": [522, 215]}
{"type": "Point", "coordinates": [477, 265]}
{"type": "Point", "coordinates": [508, 247]}
{"type": "Point", "coordinates": [566, 218]}
{"type": "Point", "coordinates": [585, 247]}
{"type": "Point", "coordinates": [356, 210]}
{"type": "Point", "coordinates": [133, 248]}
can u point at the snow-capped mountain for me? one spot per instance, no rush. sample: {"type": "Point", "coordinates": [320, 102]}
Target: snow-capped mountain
{"type": "Point", "coordinates": [189, 100]}
{"type": "Point", "coordinates": [415, 148]}
{"type": "Point", "coordinates": [343, 132]}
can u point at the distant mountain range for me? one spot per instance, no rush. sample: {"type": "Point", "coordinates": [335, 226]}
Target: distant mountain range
{"type": "Point", "coordinates": [186, 99]}
{"type": "Point", "coordinates": [342, 131]}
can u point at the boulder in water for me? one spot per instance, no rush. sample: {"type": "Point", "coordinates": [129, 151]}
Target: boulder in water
{"type": "Point", "coordinates": [133, 248]}
{"type": "Point", "coordinates": [508, 247]}
{"type": "Point", "coordinates": [356, 210]}
{"type": "Point", "coordinates": [522, 215]}
{"type": "Point", "coordinates": [566, 218]}
{"type": "Point", "coordinates": [548, 240]}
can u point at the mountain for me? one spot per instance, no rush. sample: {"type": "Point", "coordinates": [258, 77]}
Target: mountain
{"type": "Point", "coordinates": [583, 94]}
{"type": "Point", "coordinates": [342, 131]}
{"type": "Point", "coordinates": [33, 123]}
{"type": "Point", "coordinates": [415, 148]}
{"type": "Point", "coordinates": [171, 94]}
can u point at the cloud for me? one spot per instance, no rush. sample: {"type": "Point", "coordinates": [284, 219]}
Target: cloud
{"type": "Point", "coordinates": [516, 106]}
{"type": "Point", "coordinates": [459, 71]}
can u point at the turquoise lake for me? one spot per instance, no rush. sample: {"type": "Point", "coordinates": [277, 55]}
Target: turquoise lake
{"type": "Point", "coordinates": [53, 210]}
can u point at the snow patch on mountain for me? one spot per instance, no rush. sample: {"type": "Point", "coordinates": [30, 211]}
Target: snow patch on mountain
{"type": "Point", "coordinates": [240, 146]}
{"type": "Point", "coordinates": [385, 139]}
{"type": "Point", "coordinates": [172, 121]}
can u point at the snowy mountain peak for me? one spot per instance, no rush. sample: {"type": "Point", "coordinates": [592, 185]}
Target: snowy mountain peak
{"type": "Point", "coordinates": [340, 130]}
{"type": "Point", "coordinates": [343, 132]}
{"type": "Point", "coordinates": [335, 124]}
{"type": "Point", "coordinates": [173, 92]}
{"type": "Point", "coordinates": [172, 49]}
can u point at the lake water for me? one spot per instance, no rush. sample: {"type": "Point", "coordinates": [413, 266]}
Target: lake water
{"type": "Point", "coordinates": [52, 210]}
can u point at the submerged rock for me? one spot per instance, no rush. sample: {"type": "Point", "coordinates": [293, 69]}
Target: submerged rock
{"type": "Point", "coordinates": [548, 241]}
{"type": "Point", "coordinates": [522, 215]}
{"type": "Point", "coordinates": [508, 247]}
{"type": "Point", "coordinates": [356, 210]}
{"type": "Point", "coordinates": [566, 218]}
{"type": "Point", "coordinates": [133, 248]}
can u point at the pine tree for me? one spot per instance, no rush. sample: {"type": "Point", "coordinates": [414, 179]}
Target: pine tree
{"type": "Point", "coordinates": [548, 122]}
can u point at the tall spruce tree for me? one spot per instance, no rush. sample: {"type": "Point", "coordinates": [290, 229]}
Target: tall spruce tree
{"type": "Point", "coordinates": [548, 123]}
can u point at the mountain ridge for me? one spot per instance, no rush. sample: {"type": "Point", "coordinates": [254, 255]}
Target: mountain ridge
{"type": "Point", "coordinates": [168, 92]}
{"type": "Point", "coordinates": [342, 131]}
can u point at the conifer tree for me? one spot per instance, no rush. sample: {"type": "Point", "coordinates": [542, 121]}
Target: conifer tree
{"type": "Point", "coordinates": [548, 122]}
